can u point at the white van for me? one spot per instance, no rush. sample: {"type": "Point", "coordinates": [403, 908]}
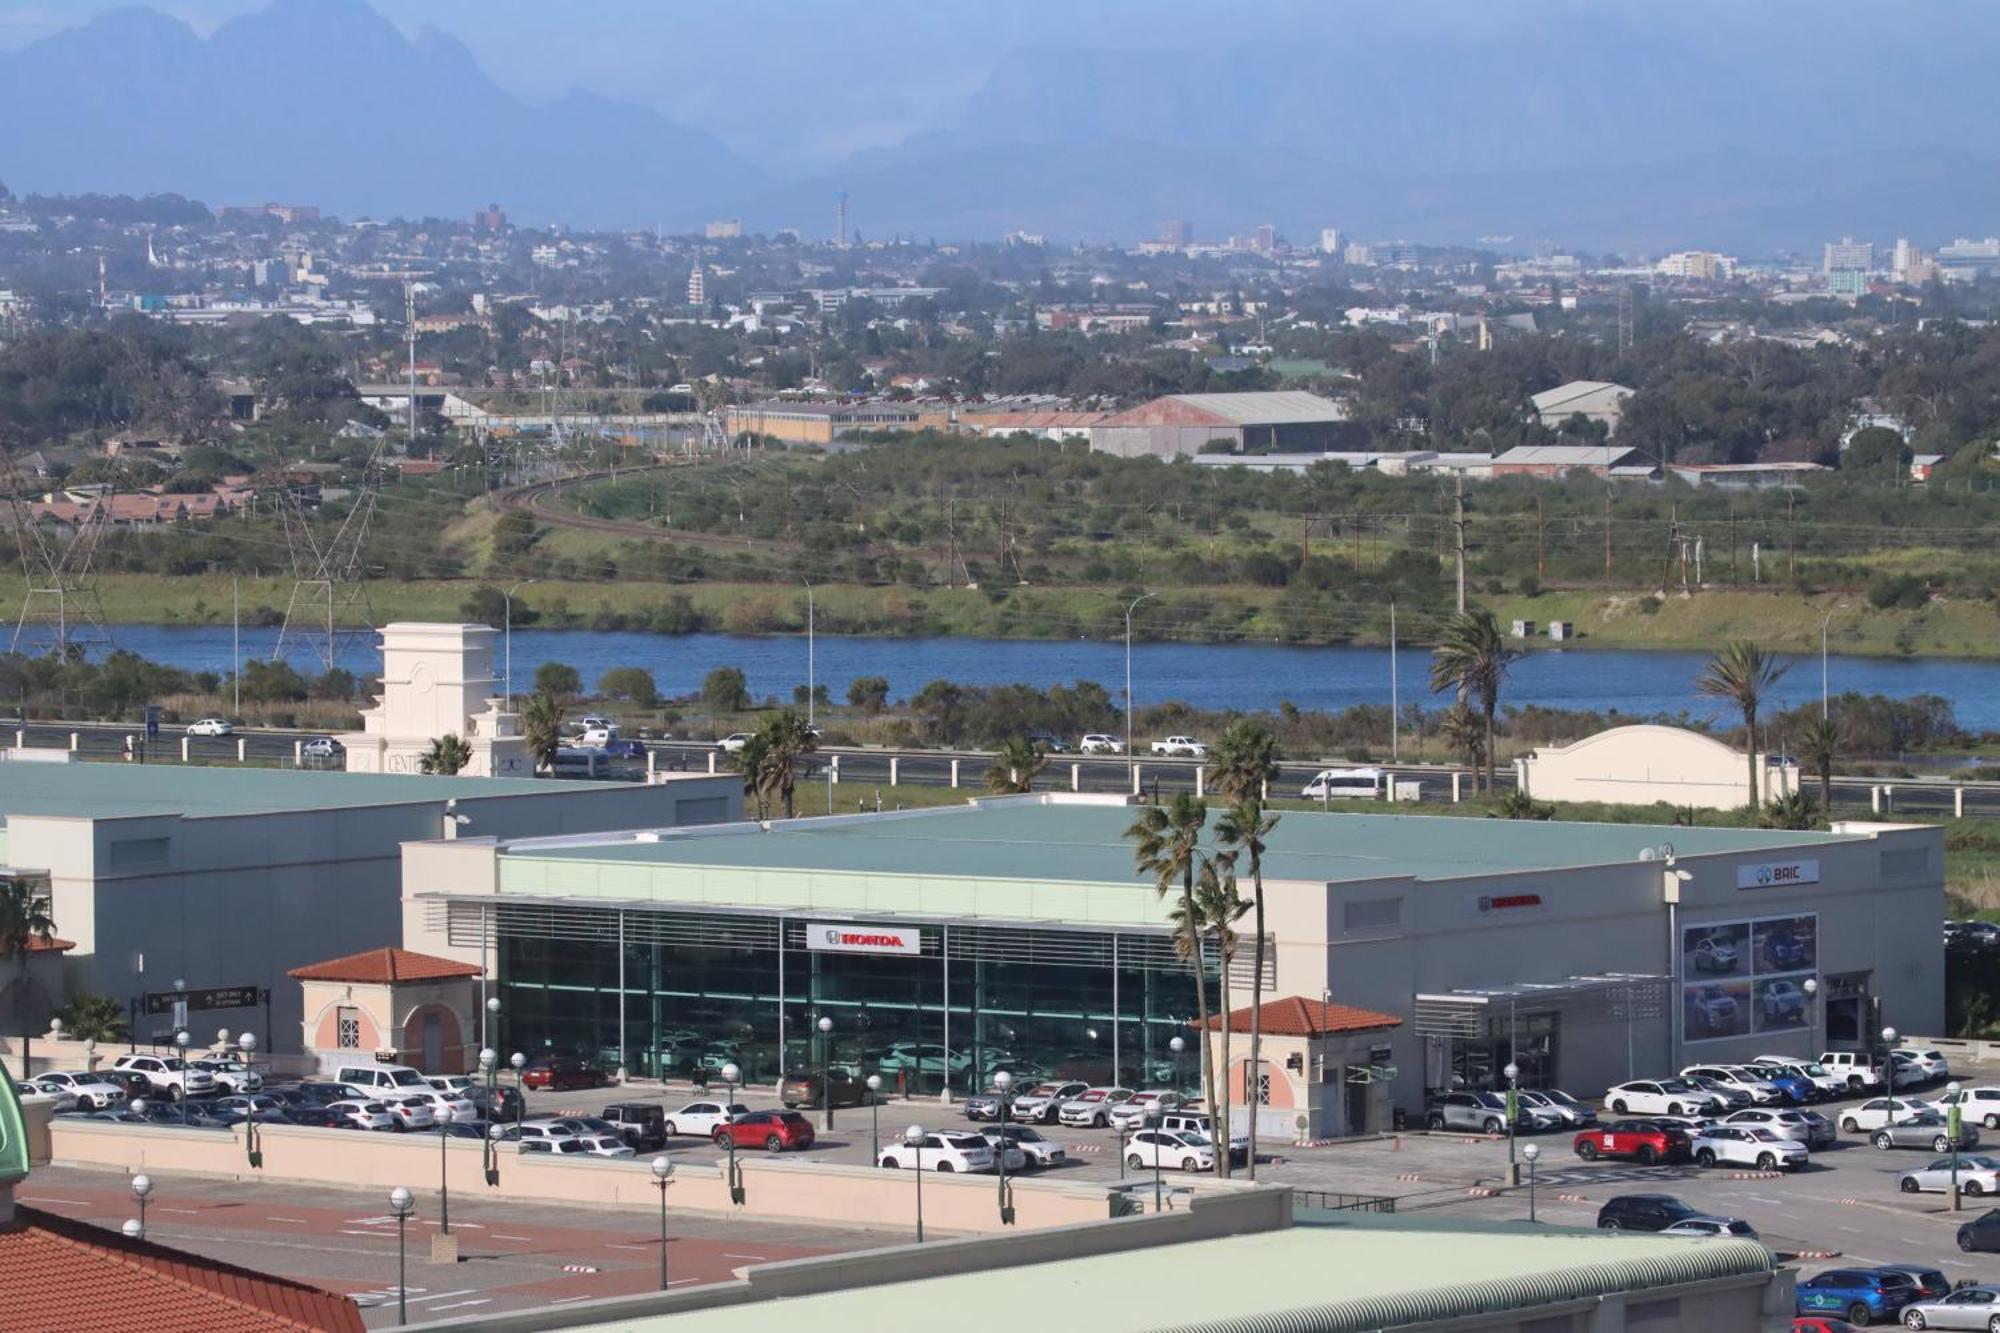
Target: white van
{"type": "Point", "coordinates": [378, 1079]}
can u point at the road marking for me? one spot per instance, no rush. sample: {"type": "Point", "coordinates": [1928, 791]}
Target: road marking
{"type": "Point", "coordinates": [159, 1208]}
{"type": "Point", "coordinates": [296, 1221]}
{"type": "Point", "coordinates": [743, 1256]}
{"type": "Point", "coordinates": [460, 1305]}
{"type": "Point", "coordinates": [346, 1231]}
{"type": "Point", "coordinates": [31, 1198]}
{"type": "Point", "coordinates": [566, 1300]}
{"type": "Point", "coordinates": [501, 1235]}
{"type": "Point", "coordinates": [447, 1295]}
{"type": "Point", "coordinates": [683, 1281]}
{"type": "Point", "coordinates": [613, 1245]}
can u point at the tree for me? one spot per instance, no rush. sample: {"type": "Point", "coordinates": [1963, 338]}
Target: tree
{"type": "Point", "coordinates": [446, 756]}
{"type": "Point", "coordinates": [869, 693]}
{"type": "Point", "coordinates": [1819, 746]}
{"type": "Point", "coordinates": [753, 762]}
{"type": "Point", "coordinates": [1015, 765]}
{"type": "Point", "coordinates": [787, 742]}
{"type": "Point", "coordinates": [87, 1017]}
{"type": "Point", "coordinates": [818, 694]}
{"type": "Point", "coordinates": [1472, 658]}
{"type": "Point", "coordinates": [1166, 846]}
{"type": "Point", "coordinates": [1793, 810]}
{"type": "Point", "coordinates": [24, 922]}
{"type": "Point", "coordinates": [1465, 736]}
{"type": "Point", "coordinates": [1216, 908]}
{"type": "Point", "coordinates": [1743, 674]}
{"type": "Point", "coordinates": [631, 684]}
{"type": "Point", "coordinates": [1876, 449]}
{"type": "Point", "coordinates": [725, 690]}
{"type": "Point", "coordinates": [1243, 761]}
{"type": "Point", "coordinates": [1244, 830]}
{"type": "Point", "coordinates": [558, 678]}
{"type": "Point", "coordinates": [542, 725]}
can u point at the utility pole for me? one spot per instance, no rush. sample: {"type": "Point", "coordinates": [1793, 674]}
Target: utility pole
{"type": "Point", "coordinates": [1541, 565]}
{"type": "Point", "coordinates": [1459, 524]}
{"type": "Point", "coordinates": [1607, 533]}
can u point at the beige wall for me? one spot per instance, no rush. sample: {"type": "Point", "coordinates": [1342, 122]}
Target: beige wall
{"type": "Point", "coordinates": [1641, 765]}
{"type": "Point", "coordinates": [390, 1019]}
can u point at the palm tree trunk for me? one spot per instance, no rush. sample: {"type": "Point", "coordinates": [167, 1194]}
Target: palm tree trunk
{"type": "Point", "coordinates": [1222, 1107]}
{"type": "Point", "coordinates": [1488, 711]}
{"type": "Point", "coordinates": [1826, 792]}
{"type": "Point", "coordinates": [1200, 991]}
{"type": "Point", "coordinates": [1256, 1008]}
{"type": "Point", "coordinates": [1750, 736]}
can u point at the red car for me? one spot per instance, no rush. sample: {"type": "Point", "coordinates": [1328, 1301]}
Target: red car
{"type": "Point", "coordinates": [1819, 1323]}
{"type": "Point", "coordinates": [561, 1071]}
{"type": "Point", "coordinates": [1645, 1141]}
{"type": "Point", "coordinates": [773, 1131]}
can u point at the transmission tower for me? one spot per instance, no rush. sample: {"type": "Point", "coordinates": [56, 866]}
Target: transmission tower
{"type": "Point", "coordinates": [329, 599]}
{"type": "Point", "coordinates": [1624, 318]}
{"type": "Point", "coordinates": [60, 612]}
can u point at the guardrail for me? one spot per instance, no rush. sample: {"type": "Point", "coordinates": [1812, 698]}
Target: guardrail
{"type": "Point", "coordinates": [1328, 1201]}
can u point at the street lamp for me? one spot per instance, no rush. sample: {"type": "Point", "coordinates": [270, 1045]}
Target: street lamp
{"type": "Point", "coordinates": [401, 1201]}
{"type": "Point", "coordinates": [825, 1026]}
{"type": "Point", "coordinates": [508, 598]}
{"type": "Point", "coordinates": [519, 1061]}
{"type": "Point", "coordinates": [252, 1136]}
{"type": "Point", "coordinates": [874, 1085]}
{"type": "Point", "coordinates": [1889, 1072]}
{"type": "Point", "coordinates": [491, 1020]}
{"type": "Point", "coordinates": [1531, 1152]}
{"type": "Point", "coordinates": [1811, 988]}
{"type": "Point", "coordinates": [444, 1173]}
{"type": "Point", "coordinates": [663, 1171]}
{"type": "Point", "coordinates": [489, 1065]}
{"type": "Point", "coordinates": [142, 1189]}
{"type": "Point", "coordinates": [1954, 1118]}
{"type": "Point", "coordinates": [1130, 752]}
{"type": "Point", "coordinates": [913, 1139]}
{"type": "Point", "coordinates": [134, 1229]}
{"type": "Point", "coordinates": [1003, 1083]}
{"type": "Point", "coordinates": [1179, 1048]}
{"type": "Point", "coordinates": [1512, 1073]}
{"type": "Point", "coordinates": [731, 1072]}
{"type": "Point", "coordinates": [181, 1044]}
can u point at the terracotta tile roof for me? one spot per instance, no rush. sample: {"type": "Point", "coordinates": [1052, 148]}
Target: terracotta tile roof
{"type": "Point", "coordinates": [36, 944]}
{"type": "Point", "coordinates": [1295, 1016]}
{"type": "Point", "coordinates": [63, 1276]}
{"type": "Point", "coordinates": [378, 966]}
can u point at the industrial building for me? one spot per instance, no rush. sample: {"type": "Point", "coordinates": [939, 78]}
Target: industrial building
{"type": "Point", "coordinates": [817, 423]}
{"type": "Point", "coordinates": [1410, 953]}
{"type": "Point", "coordinates": [1288, 421]}
{"type": "Point", "coordinates": [1594, 400]}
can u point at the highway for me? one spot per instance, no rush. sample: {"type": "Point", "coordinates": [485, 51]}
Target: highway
{"type": "Point", "coordinates": [881, 768]}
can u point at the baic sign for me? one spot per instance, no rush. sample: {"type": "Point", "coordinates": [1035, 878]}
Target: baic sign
{"type": "Point", "coordinates": [851, 937]}
{"type": "Point", "coordinates": [1777, 874]}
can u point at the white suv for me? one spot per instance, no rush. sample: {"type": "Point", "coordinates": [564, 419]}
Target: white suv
{"type": "Point", "coordinates": [1930, 1061]}
{"type": "Point", "coordinates": [1667, 1096]}
{"type": "Point", "coordinates": [91, 1092]}
{"type": "Point", "coordinates": [1092, 1106]}
{"type": "Point", "coordinates": [1180, 747]}
{"type": "Point", "coordinates": [1099, 743]}
{"type": "Point", "coordinates": [1762, 1091]}
{"type": "Point", "coordinates": [1043, 1102]}
{"type": "Point", "coordinates": [1853, 1066]}
{"type": "Point", "coordinates": [231, 1076]}
{"type": "Point", "coordinates": [949, 1151]}
{"type": "Point", "coordinates": [1744, 1145]}
{"type": "Point", "coordinates": [1980, 1104]}
{"type": "Point", "coordinates": [1133, 1112]}
{"type": "Point", "coordinates": [170, 1076]}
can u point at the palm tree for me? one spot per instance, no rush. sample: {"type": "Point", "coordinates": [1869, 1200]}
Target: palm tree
{"type": "Point", "coordinates": [1015, 765]}
{"type": "Point", "coordinates": [787, 742]}
{"type": "Point", "coordinates": [752, 760]}
{"type": "Point", "coordinates": [1243, 761]}
{"type": "Point", "coordinates": [1464, 736]}
{"type": "Point", "coordinates": [1472, 658]}
{"type": "Point", "coordinates": [1218, 907]}
{"type": "Point", "coordinates": [446, 756]}
{"type": "Point", "coordinates": [1742, 673]}
{"type": "Point", "coordinates": [542, 725]}
{"type": "Point", "coordinates": [1245, 829]}
{"type": "Point", "coordinates": [87, 1017]}
{"type": "Point", "coordinates": [1167, 848]}
{"type": "Point", "coordinates": [24, 921]}
{"type": "Point", "coordinates": [1819, 746]}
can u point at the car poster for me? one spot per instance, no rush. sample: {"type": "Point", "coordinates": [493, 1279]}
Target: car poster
{"type": "Point", "coordinates": [1745, 977]}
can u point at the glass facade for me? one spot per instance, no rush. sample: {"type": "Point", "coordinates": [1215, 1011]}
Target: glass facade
{"type": "Point", "coordinates": [697, 995]}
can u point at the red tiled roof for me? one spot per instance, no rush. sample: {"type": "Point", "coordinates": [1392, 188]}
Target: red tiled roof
{"type": "Point", "coordinates": [64, 1276]}
{"type": "Point", "coordinates": [378, 966]}
{"type": "Point", "coordinates": [1295, 1016]}
{"type": "Point", "coordinates": [36, 944]}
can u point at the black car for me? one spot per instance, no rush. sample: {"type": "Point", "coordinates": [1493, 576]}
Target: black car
{"type": "Point", "coordinates": [1643, 1212]}
{"type": "Point", "coordinates": [134, 1084]}
{"type": "Point", "coordinates": [322, 1094]}
{"type": "Point", "coordinates": [1981, 1233]}
{"type": "Point", "coordinates": [641, 1124]}
{"type": "Point", "coordinates": [499, 1102]}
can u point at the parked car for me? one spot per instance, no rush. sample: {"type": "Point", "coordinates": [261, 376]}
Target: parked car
{"type": "Point", "coordinates": [1667, 1096]}
{"type": "Point", "coordinates": [1932, 1284]}
{"type": "Point", "coordinates": [1645, 1141]}
{"type": "Point", "coordinates": [1879, 1111]}
{"type": "Point", "coordinates": [702, 1118]}
{"type": "Point", "coordinates": [1824, 1080]}
{"type": "Point", "coordinates": [1037, 1150]}
{"type": "Point", "coordinates": [1715, 953]}
{"type": "Point", "coordinates": [1976, 1175]}
{"type": "Point", "coordinates": [363, 1114]}
{"type": "Point", "coordinates": [90, 1091]}
{"type": "Point", "coordinates": [1712, 1228]}
{"type": "Point", "coordinates": [129, 1081]}
{"type": "Point", "coordinates": [1927, 1130]}
{"type": "Point", "coordinates": [810, 1090]}
{"type": "Point", "coordinates": [1484, 1113]}
{"type": "Point", "coordinates": [556, 1072]}
{"type": "Point", "coordinates": [446, 1107]}
{"type": "Point", "coordinates": [1762, 1091]}
{"type": "Point", "coordinates": [1184, 1121]}
{"type": "Point", "coordinates": [1092, 1106]}
{"type": "Point", "coordinates": [244, 1105]}
{"type": "Point", "coordinates": [1808, 1127]}
{"type": "Point", "coordinates": [1982, 1233]}
{"type": "Point", "coordinates": [1742, 1145]}
{"type": "Point", "coordinates": [464, 1084]}
{"type": "Point", "coordinates": [1797, 1089]}
{"type": "Point", "coordinates": [1568, 1112]}
{"type": "Point", "coordinates": [411, 1111]}
{"type": "Point", "coordinates": [1134, 1111]}
{"type": "Point", "coordinates": [212, 726]}
{"type": "Point", "coordinates": [1906, 1073]}
{"type": "Point", "coordinates": [594, 1145]}
{"type": "Point", "coordinates": [63, 1096]}
{"type": "Point", "coordinates": [1643, 1212]}
{"type": "Point", "coordinates": [230, 1075]}
{"type": "Point", "coordinates": [1930, 1061]}
{"type": "Point", "coordinates": [1812, 1323]}
{"type": "Point", "coordinates": [322, 747]}
{"type": "Point", "coordinates": [319, 1092]}
{"type": "Point", "coordinates": [734, 742]}
{"type": "Point", "coordinates": [773, 1131]}
{"type": "Point", "coordinates": [1151, 1148]}
{"type": "Point", "coordinates": [1180, 747]}
{"type": "Point", "coordinates": [1099, 743]}
{"type": "Point", "coordinates": [1733, 1097]}
{"type": "Point", "coordinates": [641, 1124]}
{"type": "Point", "coordinates": [1048, 742]}
{"type": "Point", "coordinates": [169, 1076]}
{"type": "Point", "coordinates": [1981, 1104]}
{"type": "Point", "coordinates": [498, 1102]}
{"type": "Point", "coordinates": [1968, 1307]}
{"type": "Point", "coordinates": [950, 1150]}
{"type": "Point", "coordinates": [1854, 1066]}
{"type": "Point", "coordinates": [1043, 1102]}
{"type": "Point", "coordinates": [1862, 1295]}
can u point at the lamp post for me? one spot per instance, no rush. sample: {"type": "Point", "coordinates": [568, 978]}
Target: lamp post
{"type": "Point", "coordinates": [731, 1072]}
{"type": "Point", "coordinates": [519, 1061]}
{"type": "Point", "coordinates": [663, 1171]}
{"type": "Point", "coordinates": [1889, 1073]}
{"type": "Point", "coordinates": [401, 1201]}
{"type": "Point", "coordinates": [810, 664]}
{"type": "Point", "coordinates": [913, 1139]}
{"type": "Point", "coordinates": [1003, 1083]}
{"type": "Point", "coordinates": [1531, 1152]}
{"type": "Point", "coordinates": [508, 636]}
{"type": "Point", "coordinates": [825, 1026]}
{"type": "Point", "coordinates": [1954, 1118]}
{"type": "Point", "coordinates": [1153, 1123]}
{"type": "Point", "coordinates": [874, 1085]}
{"type": "Point", "coordinates": [444, 1173]}
{"type": "Point", "coordinates": [1130, 755]}
{"type": "Point", "coordinates": [489, 1065]}
{"type": "Point", "coordinates": [142, 1189]}
{"type": "Point", "coordinates": [491, 1019]}
{"type": "Point", "coordinates": [1512, 1073]}
{"type": "Point", "coordinates": [181, 1040]}
{"type": "Point", "coordinates": [252, 1137]}
{"type": "Point", "coordinates": [1179, 1048]}
{"type": "Point", "coordinates": [1811, 988]}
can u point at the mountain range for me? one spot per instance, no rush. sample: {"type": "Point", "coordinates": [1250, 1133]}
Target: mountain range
{"type": "Point", "coordinates": [1595, 124]}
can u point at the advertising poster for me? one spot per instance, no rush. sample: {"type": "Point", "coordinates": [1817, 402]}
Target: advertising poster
{"type": "Point", "coordinates": [1744, 977]}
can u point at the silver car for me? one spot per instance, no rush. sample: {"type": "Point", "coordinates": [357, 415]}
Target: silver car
{"type": "Point", "coordinates": [1976, 1175]}
{"type": "Point", "coordinates": [1968, 1307]}
{"type": "Point", "coordinates": [1924, 1131]}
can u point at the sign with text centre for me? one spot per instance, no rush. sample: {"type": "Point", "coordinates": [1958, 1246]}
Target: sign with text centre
{"type": "Point", "coordinates": [850, 937]}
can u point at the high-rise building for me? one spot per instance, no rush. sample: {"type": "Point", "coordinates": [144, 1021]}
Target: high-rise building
{"type": "Point", "coordinates": [1329, 240]}
{"type": "Point", "coordinates": [1266, 239]}
{"type": "Point", "coordinates": [1696, 265]}
{"type": "Point", "coordinates": [1847, 281]}
{"type": "Point", "coordinates": [840, 220]}
{"type": "Point", "coordinates": [1848, 253]}
{"type": "Point", "coordinates": [1174, 233]}
{"type": "Point", "coordinates": [697, 287]}
{"type": "Point", "coordinates": [724, 229]}
{"type": "Point", "coordinates": [490, 218]}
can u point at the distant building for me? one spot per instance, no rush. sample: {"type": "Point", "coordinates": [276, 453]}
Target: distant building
{"type": "Point", "coordinates": [1174, 234]}
{"type": "Point", "coordinates": [489, 219]}
{"type": "Point", "coordinates": [723, 229]}
{"type": "Point", "coordinates": [1697, 266]}
{"type": "Point", "coordinates": [1289, 421]}
{"type": "Point", "coordinates": [1557, 460]}
{"type": "Point", "coordinates": [1329, 240]}
{"type": "Point", "coordinates": [817, 423]}
{"type": "Point", "coordinates": [1922, 465]}
{"type": "Point", "coordinates": [697, 287]}
{"type": "Point", "coordinates": [1594, 400]}
{"type": "Point", "coordinates": [1266, 239]}
{"type": "Point", "coordinates": [289, 214]}
{"type": "Point", "coordinates": [1847, 282]}
{"type": "Point", "coordinates": [1745, 476]}
{"type": "Point", "coordinates": [1847, 253]}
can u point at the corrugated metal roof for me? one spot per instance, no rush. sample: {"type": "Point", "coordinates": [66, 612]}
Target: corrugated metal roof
{"type": "Point", "coordinates": [1562, 455]}
{"type": "Point", "coordinates": [1553, 399]}
{"type": "Point", "coordinates": [1275, 408]}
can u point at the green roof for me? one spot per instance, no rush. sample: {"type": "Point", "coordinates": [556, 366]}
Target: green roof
{"type": "Point", "coordinates": [1086, 844]}
{"type": "Point", "coordinates": [1334, 1272]}
{"type": "Point", "coordinates": [107, 790]}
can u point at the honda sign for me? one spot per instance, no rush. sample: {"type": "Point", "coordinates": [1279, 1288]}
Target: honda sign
{"type": "Point", "coordinates": [849, 937]}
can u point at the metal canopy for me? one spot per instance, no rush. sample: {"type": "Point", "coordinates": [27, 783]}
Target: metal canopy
{"type": "Point", "coordinates": [1612, 997]}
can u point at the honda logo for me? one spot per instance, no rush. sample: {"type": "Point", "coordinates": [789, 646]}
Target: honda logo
{"type": "Point", "coordinates": [852, 938]}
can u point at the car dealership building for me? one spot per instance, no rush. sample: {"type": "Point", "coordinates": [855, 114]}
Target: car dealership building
{"type": "Point", "coordinates": [1411, 952]}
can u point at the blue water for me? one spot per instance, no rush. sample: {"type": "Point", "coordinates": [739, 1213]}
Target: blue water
{"type": "Point", "coordinates": [1238, 675]}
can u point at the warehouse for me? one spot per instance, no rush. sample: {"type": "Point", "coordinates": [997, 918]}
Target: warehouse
{"type": "Point", "coordinates": [1409, 952]}
{"type": "Point", "coordinates": [1291, 421]}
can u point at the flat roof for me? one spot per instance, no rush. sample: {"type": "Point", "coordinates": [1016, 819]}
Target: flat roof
{"type": "Point", "coordinates": [1086, 843]}
{"type": "Point", "coordinates": [1387, 1267]}
{"type": "Point", "coordinates": [108, 790]}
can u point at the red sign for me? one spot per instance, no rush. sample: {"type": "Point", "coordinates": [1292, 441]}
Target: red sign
{"type": "Point", "coordinates": [1509, 901]}
{"type": "Point", "coordinates": [837, 937]}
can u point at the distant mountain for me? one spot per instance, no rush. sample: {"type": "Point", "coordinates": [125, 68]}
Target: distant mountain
{"type": "Point", "coordinates": [325, 102]}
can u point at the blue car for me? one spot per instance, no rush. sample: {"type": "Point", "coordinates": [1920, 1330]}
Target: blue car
{"type": "Point", "coordinates": [1783, 952]}
{"type": "Point", "coordinates": [1798, 1091]}
{"type": "Point", "coordinates": [1858, 1295]}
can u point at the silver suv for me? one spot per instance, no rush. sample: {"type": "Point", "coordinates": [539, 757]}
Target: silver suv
{"type": "Point", "coordinates": [1044, 1101]}
{"type": "Point", "coordinates": [169, 1075]}
{"type": "Point", "coordinates": [1482, 1113]}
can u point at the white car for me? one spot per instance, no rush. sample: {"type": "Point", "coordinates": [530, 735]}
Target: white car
{"type": "Point", "coordinates": [952, 1150]}
{"type": "Point", "coordinates": [1567, 1112]}
{"type": "Point", "coordinates": [1879, 1111]}
{"type": "Point", "coordinates": [212, 726]}
{"type": "Point", "coordinates": [541, 1130]}
{"type": "Point", "coordinates": [1852, 1066]}
{"type": "Point", "coordinates": [90, 1093]}
{"type": "Point", "coordinates": [1043, 1102]}
{"type": "Point", "coordinates": [231, 1076]}
{"type": "Point", "coordinates": [1132, 1112]}
{"type": "Point", "coordinates": [734, 742]}
{"type": "Point", "coordinates": [1034, 1149]}
{"type": "Point", "coordinates": [363, 1114]}
{"type": "Point", "coordinates": [1667, 1096]}
{"type": "Point", "coordinates": [1712, 1228]}
{"type": "Point", "coordinates": [1099, 743]}
{"type": "Point", "coordinates": [411, 1110]}
{"type": "Point", "coordinates": [1829, 1083]}
{"type": "Point", "coordinates": [1092, 1106]}
{"type": "Point", "coordinates": [1981, 1105]}
{"type": "Point", "coordinates": [1977, 1174]}
{"type": "Point", "coordinates": [65, 1099]}
{"type": "Point", "coordinates": [593, 1145]}
{"type": "Point", "coordinates": [1162, 1148]}
{"type": "Point", "coordinates": [1180, 747]}
{"type": "Point", "coordinates": [1807, 1127]}
{"type": "Point", "coordinates": [702, 1119]}
{"type": "Point", "coordinates": [1762, 1091]}
{"type": "Point", "coordinates": [1906, 1073]}
{"type": "Point", "coordinates": [322, 747]}
{"type": "Point", "coordinates": [170, 1076]}
{"type": "Point", "coordinates": [1932, 1062]}
{"type": "Point", "coordinates": [1745, 1145]}
{"type": "Point", "coordinates": [447, 1108]}
{"type": "Point", "coordinates": [460, 1084]}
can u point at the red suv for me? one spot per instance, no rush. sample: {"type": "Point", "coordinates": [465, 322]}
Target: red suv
{"type": "Point", "coordinates": [561, 1071]}
{"type": "Point", "coordinates": [1647, 1141]}
{"type": "Point", "coordinates": [773, 1131]}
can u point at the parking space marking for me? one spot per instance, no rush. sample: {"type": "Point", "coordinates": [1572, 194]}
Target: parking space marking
{"type": "Point", "coordinates": [758, 1257]}
{"type": "Point", "coordinates": [295, 1221]}
{"type": "Point", "coordinates": [502, 1235]}
{"type": "Point", "coordinates": [30, 1198]}
{"type": "Point", "coordinates": [460, 1305]}
{"type": "Point", "coordinates": [445, 1295]}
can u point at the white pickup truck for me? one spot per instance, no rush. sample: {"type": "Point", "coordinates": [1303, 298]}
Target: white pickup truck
{"type": "Point", "coordinates": [1180, 747]}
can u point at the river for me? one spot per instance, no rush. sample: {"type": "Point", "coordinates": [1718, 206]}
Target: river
{"type": "Point", "coordinates": [1238, 675]}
